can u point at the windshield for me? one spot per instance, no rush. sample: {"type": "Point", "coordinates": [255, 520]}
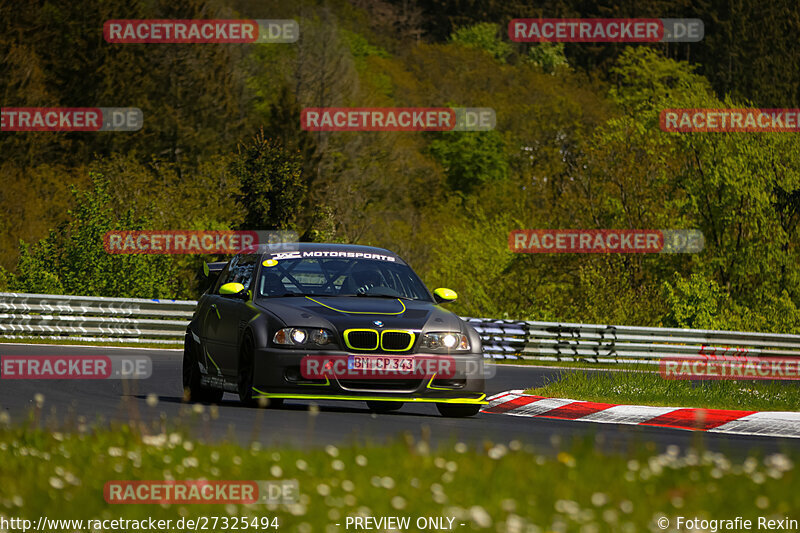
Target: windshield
{"type": "Point", "coordinates": [340, 277]}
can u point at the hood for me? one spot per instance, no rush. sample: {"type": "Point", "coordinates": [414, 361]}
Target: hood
{"type": "Point", "coordinates": [344, 312]}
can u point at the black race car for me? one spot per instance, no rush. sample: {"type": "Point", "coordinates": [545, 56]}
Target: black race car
{"type": "Point", "coordinates": [330, 322]}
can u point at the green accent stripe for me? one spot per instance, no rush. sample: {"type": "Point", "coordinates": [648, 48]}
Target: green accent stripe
{"type": "Point", "coordinates": [359, 312]}
{"type": "Point", "coordinates": [479, 401]}
{"type": "Point", "coordinates": [327, 382]}
{"type": "Point", "coordinates": [212, 360]}
{"type": "Point", "coordinates": [430, 385]}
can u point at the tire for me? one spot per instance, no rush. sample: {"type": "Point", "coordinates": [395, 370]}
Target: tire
{"type": "Point", "coordinates": [193, 391]}
{"type": "Point", "coordinates": [246, 370]}
{"type": "Point", "coordinates": [245, 374]}
{"type": "Point", "coordinates": [456, 410]}
{"type": "Point", "coordinates": [383, 407]}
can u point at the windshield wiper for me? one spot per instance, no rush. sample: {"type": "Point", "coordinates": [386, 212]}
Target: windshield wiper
{"type": "Point", "coordinates": [368, 295]}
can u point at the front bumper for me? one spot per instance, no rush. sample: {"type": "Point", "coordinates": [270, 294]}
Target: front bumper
{"type": "Point", "coordinates": [278, 375]}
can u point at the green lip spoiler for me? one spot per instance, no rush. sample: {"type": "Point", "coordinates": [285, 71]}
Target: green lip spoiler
{"type": "Point", "coordinates": [261, 394]}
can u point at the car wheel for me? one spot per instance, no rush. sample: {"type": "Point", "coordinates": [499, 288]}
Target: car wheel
{"type": "Point", "coordinates": [246, 370]}
{"type": "Point", "coordinates": [193, 391]}
{"type": "Point", "coordinates": [456, 410]}
{"type": "Point", "coordinates": [383, 407]}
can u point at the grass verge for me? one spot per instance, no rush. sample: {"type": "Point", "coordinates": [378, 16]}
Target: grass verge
{"type": "Point", "coordinates": [496, 487]}
{"type": "Point", "coordinates": [645, 388]}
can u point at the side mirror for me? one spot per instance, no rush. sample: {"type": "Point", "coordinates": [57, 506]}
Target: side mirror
{"type": "Point", "coordinates": [443, 295]}
{"type": "Point", "coordinates": [232, 289]}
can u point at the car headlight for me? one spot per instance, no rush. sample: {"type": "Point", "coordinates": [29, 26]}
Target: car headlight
{"type": "Point", "coordinates": [446, 340]}
{"type": "Point", "coordinates": [302, 337]}
{"type": "Point", "coordinates": [321, 337]}
{"type": "Point", "coordinates": [298, 336]}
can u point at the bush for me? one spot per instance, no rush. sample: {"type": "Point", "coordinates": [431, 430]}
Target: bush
{"type": "Point", "coordinates": [72, 260]}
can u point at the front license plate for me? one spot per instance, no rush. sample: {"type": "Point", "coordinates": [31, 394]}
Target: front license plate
{"type": "Point", "coordinates": [381, 363]}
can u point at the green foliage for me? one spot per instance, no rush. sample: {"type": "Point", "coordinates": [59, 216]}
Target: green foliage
{"type": "Point", "coordinates": [694, 302]}
{"type": "Point", "coordinates": [548, 56]}
{"type": "Point", "coordinates": [33, 200]}
{"type": "Point", "coordinates": [749, 49]}
{"type": "Point", "coordinates": [572, 149]}
{"type": "Point", "coordinates": [363, 55]}
{"type": "Point", "coordinates": [611, 290]}
{"type": "Point", "coordinates": [736, 188]}
{"type": "Point", "coordinates": [192, 97]}
{"type": "Point", "coordinates": [483, 36]}
{"type": "Point", "coordinates": [645, 81]}
{"type": "Point", "coordinates": [323, 226]}
{"type": "Point", "coordinates": [5, 276]}
{"type": "Point", "coordinates": [72, 260]}
{"type": "Point", "coordinates": [470, 257]}
{"type": "Point", "coordinates": [470, 159]}
{"type": "Point", "coordinates": [360, 47]}
{"type": "Point", "coordinates": [272, 188]}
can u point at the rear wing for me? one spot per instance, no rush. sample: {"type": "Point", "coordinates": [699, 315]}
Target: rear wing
{"type": "Point", "coordinates": [210, 269]}
{"type": "Point", "coordinates": [211, 272]}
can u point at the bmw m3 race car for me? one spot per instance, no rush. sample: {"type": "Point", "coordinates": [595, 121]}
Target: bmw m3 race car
{"type": "Point", "coordinates": [330, 322]}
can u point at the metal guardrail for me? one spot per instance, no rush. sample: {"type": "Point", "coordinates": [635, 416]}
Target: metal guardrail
{"type": "Point", "coordinates": [554, 341]}
{"type": "Point", "coordinates": [128, 320]}
{"type": "Point", "coordinates": [90, 318]}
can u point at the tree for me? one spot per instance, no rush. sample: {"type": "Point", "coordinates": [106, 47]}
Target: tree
{"type": "Point", "coordinates": [272, 187]}
{"type": "Point", "coordinates": [483, 36]}
{"type": "Point", "coordinates": [470, 159]}
{"type": "Point", "coordinates": [737, 188]}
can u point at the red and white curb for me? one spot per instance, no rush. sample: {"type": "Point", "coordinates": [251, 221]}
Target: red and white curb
{"type": "Point", "coordinates": [765, 423]}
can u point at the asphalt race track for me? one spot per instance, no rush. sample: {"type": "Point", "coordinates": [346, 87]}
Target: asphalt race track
{"type": "Point", "coordinates": [335, 423]}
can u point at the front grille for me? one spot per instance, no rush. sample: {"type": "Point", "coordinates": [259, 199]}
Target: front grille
{"type": "Point", "coordinates": [397, 341]}
{"type": "Point", "coordinates": [361, 339]}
